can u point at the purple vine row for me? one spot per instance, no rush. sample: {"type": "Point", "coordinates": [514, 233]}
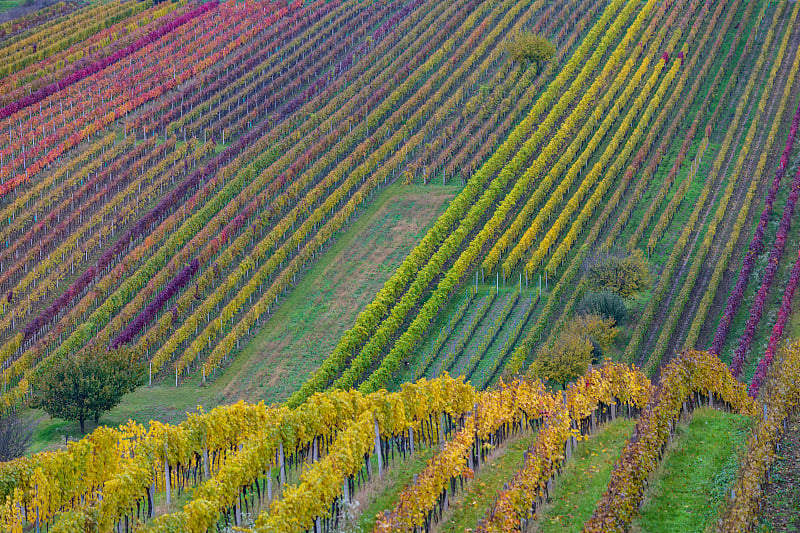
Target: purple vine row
{"type": "Point", "coordinates": [756, 244]}
{"type": "Point", "coordinates": [101, 64]}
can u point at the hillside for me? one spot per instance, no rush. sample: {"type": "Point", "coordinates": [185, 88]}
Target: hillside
{"type": "Point", "coordinates": [334, 206]}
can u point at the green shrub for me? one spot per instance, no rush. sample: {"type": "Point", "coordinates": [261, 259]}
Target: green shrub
{"type": "Point", "coordinates": [606, 303]}
{"type": "Point", "coordinates": [531, 47]}
{"type": "Point", "coordinates": [625, 275]}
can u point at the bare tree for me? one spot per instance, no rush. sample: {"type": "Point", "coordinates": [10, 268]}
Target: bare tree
{"type": "Point", "coordinates": [15, 436]}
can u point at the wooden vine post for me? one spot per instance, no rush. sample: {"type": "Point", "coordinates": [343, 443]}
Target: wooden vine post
{"type": "Point", "coordinates": [441, 430]}
{"type": "Point", "coordinates": [151, 500]}
{"type": "Point", "coordinates": [238, 507]}
{"type": "Point", "coordinates": [206, 468]}
{"type": "Point", "coordinates": [378, 448]}
{"type": "Point", "coordinates": [282, 462]}
{"type": "Point", "coordinates": [166, 474]}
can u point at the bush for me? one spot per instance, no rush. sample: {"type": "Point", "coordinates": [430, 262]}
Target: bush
{"type": "Point", "coordinates": [531, 47]}
{"type": "Point", "coordinates": [583, 340]}
{"type": "Point", "coordinates": [625, 275]}
{"type": "Point", "coordinates": [605, 303]}
{"type": "Point", "coordinates": [565, 359]}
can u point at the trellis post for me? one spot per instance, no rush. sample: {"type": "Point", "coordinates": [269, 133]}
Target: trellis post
{"type": "Point", "coordinates": [378, 453]}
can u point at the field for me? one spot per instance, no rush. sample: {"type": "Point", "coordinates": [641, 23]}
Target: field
{"type": "Point", "coordinates": [385, 224]}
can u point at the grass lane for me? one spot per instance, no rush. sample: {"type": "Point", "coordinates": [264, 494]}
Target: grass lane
{"type": "Point", "coordinates": [691, 483]}
{"type": "Point", "coordinates": [584, 479]}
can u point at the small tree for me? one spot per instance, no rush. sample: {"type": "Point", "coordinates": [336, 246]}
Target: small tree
{"type": "Point", "coordinates": [531, 47]}
{"type": "Point", "coordinates": [625, 275]}
{"type": "Point", "coordinates": [84, 385]}
{"type": "Point", "coordinates": [582, 341]}
{"type": "Point", "coordinates": [565, 359]}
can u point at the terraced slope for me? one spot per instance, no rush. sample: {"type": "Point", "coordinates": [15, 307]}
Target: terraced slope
{"type": "Point", "coordinates": [170, 174]}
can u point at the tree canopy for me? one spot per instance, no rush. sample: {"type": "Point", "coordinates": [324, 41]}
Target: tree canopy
{"type": "Point", "coordinates": [625, 275]}
{"type": "Point", "coordinates": [531, 47]}
{"type": "Point", "coordinates": [569, 355]}
{"type": "Point", "coordinates": [82, 386]}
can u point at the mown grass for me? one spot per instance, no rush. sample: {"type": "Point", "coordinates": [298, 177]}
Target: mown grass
{"type": "Point", "coordinates": [690, 485]}
{"type": "Point", "coordinates": [584, 479]}
{"type": "Point", "coordinates": [469, 505]}
{"type": "Point", "coordinates": [310, 322]}
{"type": "Point", "coordinates": [483, 288]}
{"type": "Point", "coordinates": [381, 495]}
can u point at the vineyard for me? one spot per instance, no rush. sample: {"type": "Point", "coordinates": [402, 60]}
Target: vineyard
{"type": "Point", "coordinates": [444, 268]}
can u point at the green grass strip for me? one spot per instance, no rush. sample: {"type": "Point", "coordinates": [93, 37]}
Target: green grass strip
{"type": "Point", "coordinates": [469, 505]}
{"type": "Point", "coordinates": [690, 485]}
{"type": "Point", "coordinates": [584, 479]}
{"type": "Point", "coordinates": [381, 495]}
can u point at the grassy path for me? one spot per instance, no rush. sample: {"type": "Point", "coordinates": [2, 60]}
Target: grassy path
{"type": "Point", "coordinates": [469, 505]}
{"type": "Point", "coordinates": [481, 334]}
{"type": "Point", "coordinates": [464, 333]}
{"type": "Point", "coordinates": [584, 479]}
{"type": "Point", "coordinates": [511, 324]}
{"type": "Point", "coordinates": [381, 495]}
{"type": "Point", "coordinates": [692, 480]}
